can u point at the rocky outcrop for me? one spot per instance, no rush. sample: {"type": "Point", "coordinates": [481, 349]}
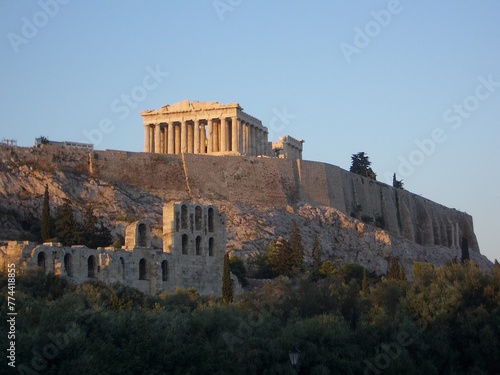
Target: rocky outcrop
{"type": "Point", "coordinates": [355, 219]}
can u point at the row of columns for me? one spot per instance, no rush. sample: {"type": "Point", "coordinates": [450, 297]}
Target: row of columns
{"type": "Point", "coordinates": [206, 136]}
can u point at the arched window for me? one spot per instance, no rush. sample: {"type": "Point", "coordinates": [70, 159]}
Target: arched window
{"type": "Point", "coordinates": [198, 245]}
{"type": "Point", "coordinates": [211, 246]}
{"type": "Point", "coordinates": [184, 216]}
{"type": "Point", "coordinates": [164, 270]}
{"type": "Point", "coordinates": [122, 267]}
{"type": "Point", "coordinates": [142, 269]}
{"type": "Point", "coordinates": [91, 263]}
{"type": "Point", "coordinates": [185, 241]}
{"type": "Point", "coordinates": [142, 242]}
{"type": "Point", "coordinates": [198, 215]}
{"type": "Point", "coordinates": [210, 219]}
{"type": "Point", "coordinates": [41, 259]}
{"type": "Point", "coordinates": [68, 264]}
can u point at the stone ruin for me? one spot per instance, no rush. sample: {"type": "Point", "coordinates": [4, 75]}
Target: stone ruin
{"type": "Point", "coordinates": [194, 244]}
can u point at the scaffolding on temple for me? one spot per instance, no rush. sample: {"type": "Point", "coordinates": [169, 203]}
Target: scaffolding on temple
{"type": "Point", "coordinates": [8, 142]}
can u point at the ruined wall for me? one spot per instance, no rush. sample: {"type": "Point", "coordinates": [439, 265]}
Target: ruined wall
{"type": "Point", "coordinates": [149, 270]}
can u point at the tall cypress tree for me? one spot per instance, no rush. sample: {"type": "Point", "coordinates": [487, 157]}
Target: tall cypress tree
{"type": "Point", "coordinates": [396, 270]}
{"type": "Point", "coordinates": [365, 286]}
{"type": "Point", "coordinates": [227, 283]}
{"type": "Point", "coordinates": [67, 229]}
{"type": "Point", "coordinates": [45, 226]}
{"type": "Point", "coordinates": [296, 247]}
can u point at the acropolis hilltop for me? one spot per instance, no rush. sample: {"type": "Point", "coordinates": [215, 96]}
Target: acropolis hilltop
{"type": "Point", "coordinates": [201, 158]}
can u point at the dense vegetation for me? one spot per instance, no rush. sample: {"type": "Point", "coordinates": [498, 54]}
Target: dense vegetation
{"type": "Point", "coordinates": [446, 321]}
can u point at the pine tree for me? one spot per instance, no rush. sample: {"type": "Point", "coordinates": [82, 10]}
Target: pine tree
{"type": "Point", "coordinates": [103, 236]}
{"type": "Point", "coordinates": [360, 164]}
{"type": "Point", "coordinates": [280, 257]}
{"type": "Point", "coordinates": [365, 287]}
{"type": "Point", "coordinates": [89, 230]}
{"type": "Point", "coordinates": [296, 247]}
{"type": "Point", "coordinates": [45, 226]}
{"type": "Point", "coordinates": [67, 230]}
{"type": "Point", "coordinates": [465, 250]}
{"type": "Point", "coordinates": [227, 283]}
{"type": "Point", "coordinates": [396, 270]}
{"type": "Point", "coordinates": [398, 184]}
{"type": "Point", "coordinates": [92, 235]}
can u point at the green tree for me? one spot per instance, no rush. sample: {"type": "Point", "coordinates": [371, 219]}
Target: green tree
{"type": "Point", "coordinates": [465, 250]}
{"type": "Point", "coordinates": [396, 270]}
{"type": "Point", "coordinates": [296, 247]}
{"type": "Point", "coordinates": [45, 226]}
{"type": "Point", "coordinates": [365, 286]}
{"type": "Point", "coordinates": [67, 230]}
{"type": "Point", "coordinates": [92, 234]}
{"type": "Point", "coordinates": [104, 237]}
{"type": "Point", "coordinates": [261, 266]}
{"type": "Point", "coordinates": [238, 269]}
{"type": "Point", "coordinates": [227, 283]}
{"type": "Point", "coordinates": [360, 164]}
{"type": "Point", "coordinates": [42, 140]}
{"type": "Point", "coordinates": [280, 258]}
{"type": "Point", "coordinates": [352, 271]}
{"type": "Point", "coordinates": [316, 254]}
{"type": "Point", "coordinates": [287, 257]}
{"type": "Point", "coordinates": [398, 184]}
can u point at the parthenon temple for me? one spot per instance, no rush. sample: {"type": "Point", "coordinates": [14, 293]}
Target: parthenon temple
{"type": "Point", "coordinates": [204, 128]}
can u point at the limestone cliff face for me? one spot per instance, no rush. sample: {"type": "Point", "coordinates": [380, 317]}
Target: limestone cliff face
{"type": "Point", "coordinates": [260, 196]}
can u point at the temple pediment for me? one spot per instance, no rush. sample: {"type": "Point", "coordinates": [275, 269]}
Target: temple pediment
{"type": "Point", "coordinates": [187, 106]}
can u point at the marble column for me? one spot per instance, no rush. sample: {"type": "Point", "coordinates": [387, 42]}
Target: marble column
{"type": "Point", "coordinates": [177, 147]}
{"type": "Point", "coordinates": [196, 130]}
{"type": "Point", "coordinates": [251, 140]}
{"type": "Point", "coordinates": [151, 138]}
{"type": "Point", "coordinates": [157, 139]}
{"type": "Point", "coordinates": [259, 142]}
{"type": "Point", "coordinates": [190, 138]}
{"type": "Point", "coordinates": [243, 136]}
{"type": "Point", "coordinates": [164, 139]}
{"type": "Point", "coordinates": [171, 140]}
{"type": "Point", "coordinates": [146, 138]}
{"type": "Point", "coordinates": [183, 136]}
{"type": "Point", "coordinates": [235, 135]}
{"type": "Point", "coordinates": [223, 134]}
{"type": "Point", "coordinates": [216, 136]}
{"type": "Point", "coordinates": [247, 138]}
{"type": "Point", "coordinates": [210, 136]}
{"type": "Point", "coordinates": [203, 139]}
{"type": "Point", "coordinates": [267, 146]}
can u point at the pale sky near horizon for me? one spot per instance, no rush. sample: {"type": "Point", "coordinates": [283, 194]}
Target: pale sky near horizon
{"type": "Point", "coordinates": [414, 84]}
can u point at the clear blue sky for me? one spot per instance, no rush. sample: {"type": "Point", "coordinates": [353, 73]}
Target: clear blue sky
{"type": "Point", "coordinates": [346, 76]}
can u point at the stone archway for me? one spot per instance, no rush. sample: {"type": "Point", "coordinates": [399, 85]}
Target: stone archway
{"type": "Point", "coordinates": [91, 266]}
{"type": "Point", "coordinates": [142, 231]}
{"type": "Point", "coordinates": [41, 260]}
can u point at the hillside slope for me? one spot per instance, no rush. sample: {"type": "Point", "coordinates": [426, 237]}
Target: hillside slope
{"type": "Point", "coordinates": [260, 196]}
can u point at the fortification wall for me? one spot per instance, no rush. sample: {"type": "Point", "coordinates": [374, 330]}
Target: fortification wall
{"type": "Point", "coordinates": [277, 182]}
{"type": "Point", "coordinates": [269, 182]}
{"type": "Point", "coordinates": [264, 181]}
{"type": "Point", "coordinates": [144, 171]}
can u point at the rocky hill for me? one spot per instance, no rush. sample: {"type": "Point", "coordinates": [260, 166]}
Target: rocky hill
{"type": "Point", "coordinates": [355, 219]}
